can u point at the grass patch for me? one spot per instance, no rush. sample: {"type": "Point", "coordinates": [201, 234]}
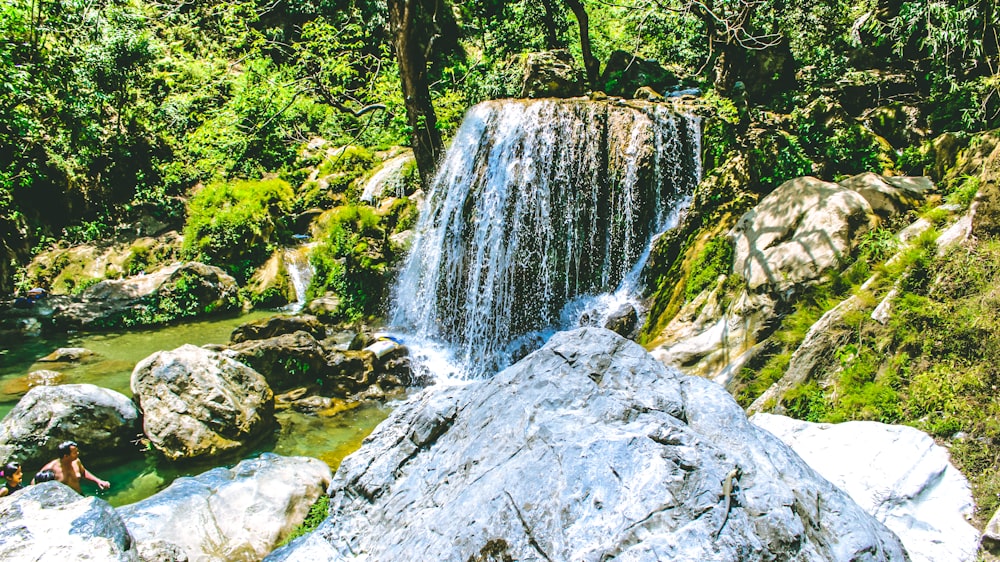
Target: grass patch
{"type": "Point", "coordinates": [317, 513]}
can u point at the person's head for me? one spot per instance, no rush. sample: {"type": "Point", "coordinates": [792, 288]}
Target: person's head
{"type": "Point", "coordinates": [12, 473]}
{"type": "Point", "coordinates": [68, 448]}
{"type": "Point", "coordinates": [44, 476]}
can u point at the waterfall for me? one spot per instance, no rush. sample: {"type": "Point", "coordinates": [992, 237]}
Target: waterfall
{"type": "Point", "coordinates": [300, 273]}
{"type": "Point", "coordinates": [538, 203]}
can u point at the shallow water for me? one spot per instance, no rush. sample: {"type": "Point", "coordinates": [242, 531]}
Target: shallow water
{"type": "Point", "coordinates": [327, 436]}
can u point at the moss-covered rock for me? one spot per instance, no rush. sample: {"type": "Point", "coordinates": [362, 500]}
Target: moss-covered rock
{"type": "Point", "coordinates": [70, 270]}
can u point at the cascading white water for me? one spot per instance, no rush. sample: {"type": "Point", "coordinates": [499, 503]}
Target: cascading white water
{"type": "Point", "coordinates": [300, 273]}
{"type": "Point", "coordinates": [538, 203]}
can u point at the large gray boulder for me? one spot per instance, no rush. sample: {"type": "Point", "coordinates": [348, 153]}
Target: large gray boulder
{"type": "Point", "coordinates": [794, 236]}
{"type": "Point", "coordinates": [801, 230]}
{"type": "Point", "coordinates": [103, 422]}
{"type": "Point", "coordinates": [179, 290]}
{"type": "Point", "coordinates": [240, 513]}
{"type": "Point", "coordinates": [897, 473]}
{"type": "Point", "coordinates": [588, 449]}
{"type": "Point", "coordinates": [49, 522]}
{"type": "Point", "coordinates": [199, 403]}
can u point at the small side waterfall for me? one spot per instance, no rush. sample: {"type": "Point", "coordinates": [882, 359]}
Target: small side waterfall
{"type": "Point", "coordinates": [300, 273]}
{"type": "Point", "coordinates": [538, 203]}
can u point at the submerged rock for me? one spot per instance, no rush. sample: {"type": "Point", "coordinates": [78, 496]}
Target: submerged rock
{"type": "Point", "coordinates": [199, 403]}
{"type": "Point", "coordinates": [896, 473]}
{"type": "Point", "coordinates": [50, 521]}
{"type": "Point", "coordinates": [228, 514]}
{"type": "Point", "coordinates": [101, 421]}
{"type": "Point", "coordinates": [67, 355]}
{"type": "Point", "coordinates": [588, 449]}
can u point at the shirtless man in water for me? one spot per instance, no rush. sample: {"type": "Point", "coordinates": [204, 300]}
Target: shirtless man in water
{"type": "Point", "coordinates": [69, 469]}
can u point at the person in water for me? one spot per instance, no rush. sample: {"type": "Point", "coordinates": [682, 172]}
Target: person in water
{"type": "Point", "coordinates": [69, 469]}
{"type": "Point", "coordinates": [12, 476]}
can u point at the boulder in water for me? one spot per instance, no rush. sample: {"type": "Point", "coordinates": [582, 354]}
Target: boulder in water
{"type": "Point", "coordinates": [286, 360]}
{"type": "Point", "coordinates": [278, 325]}
{"type": "Point", "coordinates": [199, 403]}
{"type": "Point", "coordinates": [240, 513]}
{"type": "Point", "coordinates": [103, 422]}
{"type": "Point", "coordinates": [67, 355]}
{"type": "Point", "coordinates": [50, 521]}
{"type": "Point", "coordinates": [588, 449]}
{"type": "Point", "coordinates": [181, 290]}
{"type": "Point", "coordinates": [896, 473]}
{"type": "Point", "coordinates": [623, 321]}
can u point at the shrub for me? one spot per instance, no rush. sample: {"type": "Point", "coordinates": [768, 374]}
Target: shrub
{"type": "Point", "coordinates": [353, 260]}
{"type": "Point", "coordinates": [715, 259]}
{"type": "Point", "coordinates": [236, 225]}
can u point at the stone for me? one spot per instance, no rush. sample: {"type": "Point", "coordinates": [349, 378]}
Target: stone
{"type": "Point", "coordinates": [270, 285]}
{"type": "Point", "coordinates": [51, 522]}
{"type": "Point", "coordinates": [286, 360]}
{"type": "Point", "coordinates": [199, 403]}
{"type": "Point", "coordinates": [42, 377]}
{"type": "Point", "coordinates": [67, 355]}
{"type": "Point", "coordinates": [102, 422]}
{"type": "Point", "coordinates": [897, 474]}
{"type": "Point", "coordinates": [627, 75]}
{"type": "Point", "coordinates": [185, 289]}
{"type": "Point", "coordinates": [327, 308]}
{"type": "Point", "coordinates": [889, 196]}
{"type": "Point", "coordinates": [587, 449]}
{"type": "Point", "coordinates": [551, 74]}
{"type": "Point", "coordinates": [279, 325]}
{"type": "Point", "coordinates": [623, 321]}
{"type": "Point", "coordinates": [238, 513]}
{"type": "Point", "coordinates": [799, 231]}
{"type": "Point", "coordinates": [990, 541]}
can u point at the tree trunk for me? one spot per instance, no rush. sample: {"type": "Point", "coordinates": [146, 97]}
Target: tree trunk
{"type": "Point", "coordinates": [410, 42]}
{"type": "Point", "coordinates": [591, 64]}
{"type": "Point", "coordinates": [551, 31]}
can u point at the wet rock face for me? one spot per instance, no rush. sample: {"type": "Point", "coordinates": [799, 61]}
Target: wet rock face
{"type": "Point", "coordinates": [198, 403]}
{"type": "Point", "coordinates": [228, 514]}
{"type": "Point", "coordinates": [587, 449]}
{"type": "Point", "coordinates": [50, 521]}
{"type": "Point", "coordinates": [103, 422]}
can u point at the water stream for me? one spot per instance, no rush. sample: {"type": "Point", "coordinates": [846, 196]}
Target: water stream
{"type": "Point", "coordinates": [541, 211]}
{"type": "Point", "coordinates": [329, 438]}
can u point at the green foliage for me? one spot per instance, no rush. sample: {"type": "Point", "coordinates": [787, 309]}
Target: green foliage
{"type": "Point", "coordinates": [932, 366]}
{"type": "Point", "coordinates": [715, 259]}
{"type": "Point", "coordinates": [317, 513]}
{"type": "Point", "coordinates": [353, 261]}
{"type": "Point", "coordinates": [777, 158]}
{"type": "Point", "coordinates": [237, 225]}
{"type": "Point", "coordinates": [963, 194]}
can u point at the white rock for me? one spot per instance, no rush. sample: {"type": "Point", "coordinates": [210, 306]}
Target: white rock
{"type": "Point", "coordinates": [896, 473]}
{"type": "Point", "coordinates": [230, 514]}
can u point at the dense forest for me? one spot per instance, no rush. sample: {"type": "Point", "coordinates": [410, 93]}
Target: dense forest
{"type": "Point", "coordinates": [112, 110]}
